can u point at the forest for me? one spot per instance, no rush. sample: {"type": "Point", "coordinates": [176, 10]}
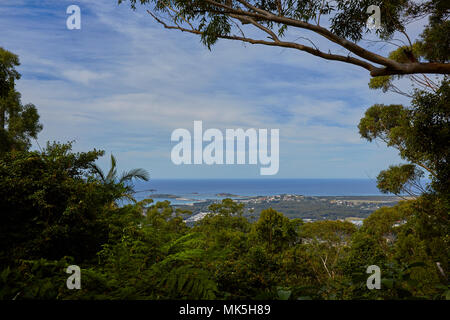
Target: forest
{"type": "Point", "coordinates": [61, 214]}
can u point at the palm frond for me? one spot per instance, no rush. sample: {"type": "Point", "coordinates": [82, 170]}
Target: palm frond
{"type": "Point", "coordinates": [98, 171]}
{"type": "Point", "coordinates": [129, 197]}
{"type": "Point", "coordinates": [112, 174]}
{"type": "Point", "coordinates": [138, 173]}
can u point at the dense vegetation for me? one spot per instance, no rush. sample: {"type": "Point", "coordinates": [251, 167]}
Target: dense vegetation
{"type": "Point", "coordinates": [57, 211]}
{"type": "Point", "coordinates": [61, 218]}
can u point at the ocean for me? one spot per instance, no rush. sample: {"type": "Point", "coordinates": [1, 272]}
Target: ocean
{"type": "Point", "coordinates": [193, 190]}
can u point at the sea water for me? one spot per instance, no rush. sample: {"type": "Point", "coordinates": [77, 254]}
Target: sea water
{"type": "Point", "coordinates": [192, 190]}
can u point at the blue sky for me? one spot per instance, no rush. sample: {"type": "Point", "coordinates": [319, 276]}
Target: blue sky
{"type": "Point", "coordinates": [123, 83]}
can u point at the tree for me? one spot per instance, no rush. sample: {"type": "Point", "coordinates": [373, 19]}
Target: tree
{"type": "Point", "coordinates": [49, 207]}
{"type": "Point", "coordinates": [326, 240]}
{"type": "Point", "coordinates": [227, 208]}
{"type": "Point", "coordinates": [121, 187]}
{"type": "Point", "coordinates": [18, 123]}
{"type": "Point", "coordinates": [416, 246]}
{"type": "Point", "coordinates": [421, 134]}
{"type": "Point", "coordinates": [225, 227]}
{"type": "Point", "coordinates": [162, 216]}
{"type": "Point", "coordinates": [229, 19]}
{"type": "Point", "coordinates": [275, 230]}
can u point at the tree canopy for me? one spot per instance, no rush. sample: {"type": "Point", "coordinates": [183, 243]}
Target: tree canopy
{"type": "Point", "coordinates": [421, 134]}
{"type": "Point", "coordinates": [18, 123]}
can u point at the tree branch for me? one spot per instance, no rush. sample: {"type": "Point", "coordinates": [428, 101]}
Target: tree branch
{"type": "Point", "coordinates": [255, 15]}
{"type": "Point", "coordinates": [278, 43]}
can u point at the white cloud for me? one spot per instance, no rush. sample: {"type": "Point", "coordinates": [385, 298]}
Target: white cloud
{"type": "Point", "coordinates": [83, 76]}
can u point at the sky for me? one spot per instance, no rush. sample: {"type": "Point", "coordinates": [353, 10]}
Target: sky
{"type": "Point", "coordinates": [123, 84]}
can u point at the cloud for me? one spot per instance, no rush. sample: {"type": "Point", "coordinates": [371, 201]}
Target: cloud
{"type": "Point", "coordinates": [83, 76]}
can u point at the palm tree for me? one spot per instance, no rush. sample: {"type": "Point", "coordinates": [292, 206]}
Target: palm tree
{"type": "Point", "coordinates": [121, 186]}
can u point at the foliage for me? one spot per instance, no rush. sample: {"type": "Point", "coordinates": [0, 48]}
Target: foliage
{"type": "Point", "coordinates": [275, 231]}
{"type": "Point", "coordinates": [111, 180]}
{"type": "Point", "coordinates": [48, 207]}
{"type": "Point", "coordinates": [147, 252]}
{"type": "Point", "coordinates": [420, 133]}
{"type": "Point", "coordinates": [348, 17]}
{"type": "Point", "coordinates": [56, 213]}
{"type": "Point", "coordinates": [341, 22]}
{"type": "Point", "coordinates": [18, 123]}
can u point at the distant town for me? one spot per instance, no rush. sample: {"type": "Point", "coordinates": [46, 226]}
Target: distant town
{"type": "Point", "coordinates": [308, 208]}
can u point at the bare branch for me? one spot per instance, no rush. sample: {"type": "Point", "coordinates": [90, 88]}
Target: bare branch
{"type": "Point", "coordinates": [261, 27]}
